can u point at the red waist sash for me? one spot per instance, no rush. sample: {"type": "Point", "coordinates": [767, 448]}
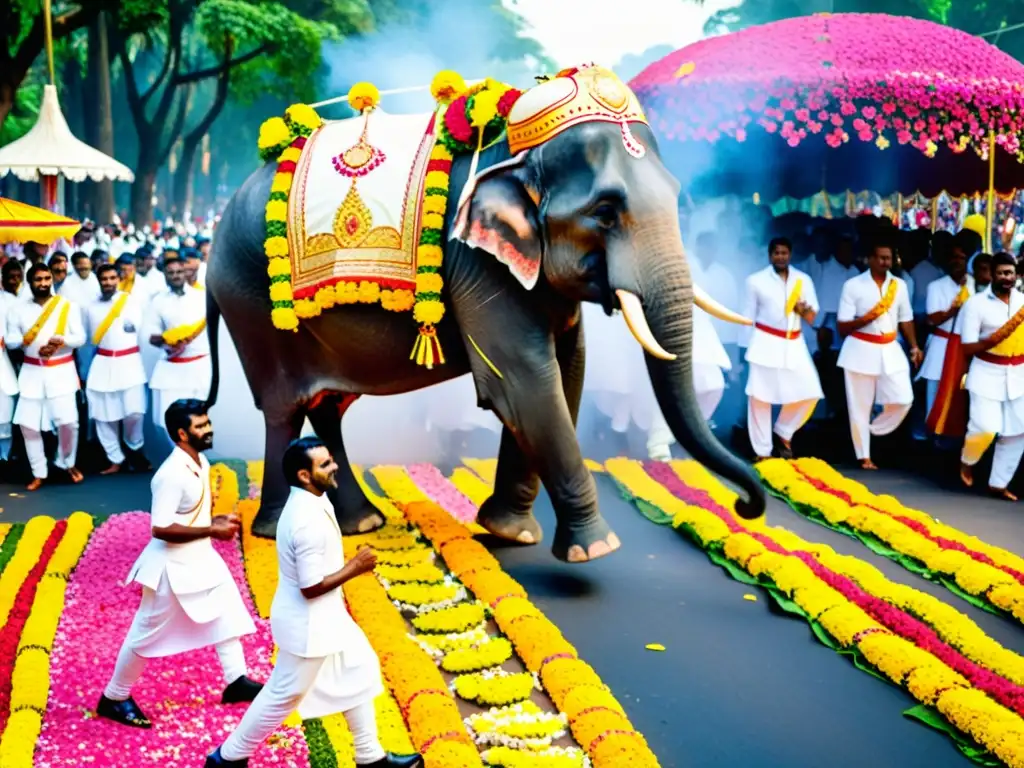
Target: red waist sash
{"type": "Point", "coordinates": [117, 352]}
{"type": "Point", "coordinates": [790, 335]}
{"type": "Point", "coordinates": [186, 359]}
{"type": "Point", "coordinates": [1000, 359]}
{"type": "Point", "coordinates": [875, 338]}
{"type": "Point", "coordinates": [49, 363]}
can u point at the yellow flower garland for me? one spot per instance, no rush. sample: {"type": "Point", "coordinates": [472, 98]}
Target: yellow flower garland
{"type": "Point", "coordinates": [422, 594]}
{"type": "Point", "coordinates": [493, 652]}
{"type": "Point", "coordinates": [183, 333]}
{"type": "Point", "coordinates": [30, 546]}
{"type": "Point", "coordinates": [458, 618]}
{"type": "Point", "coordinates": [928, 679]}
{"type": "Point", "coordinates": [794, 297]}
{"type": "Point", "coordinates": [30, 679]}
{"type": "Point", "coordinates": [494, 690]}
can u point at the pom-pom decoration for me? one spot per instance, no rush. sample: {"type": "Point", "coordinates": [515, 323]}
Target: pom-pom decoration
{"type": "Point", "coordinates": [363, 96]}
{"type": "Point", "coordinates": [446, 85]}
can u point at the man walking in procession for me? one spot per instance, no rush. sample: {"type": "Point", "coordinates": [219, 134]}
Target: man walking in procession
{"type": "Point", "coordinates": [945, 297]}
{"type": "Point", "coordinates": [189, 599]}
{"type": "Point", "coordinates": [48, 329]}
{"type": "Point", "coordinates": [990, 331]}
{"type": "Point", "coordinates": [325, 664]}
{"type": "Point", "coordinates": [116, 385]}
{"type": "Point", "coordinates": [782, 372]}
{"type": "Point", "coordinates": [871, 309]}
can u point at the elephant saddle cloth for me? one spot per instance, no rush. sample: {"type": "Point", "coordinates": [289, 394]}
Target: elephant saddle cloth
{"type": "Point", "coordinates": [354, 209]}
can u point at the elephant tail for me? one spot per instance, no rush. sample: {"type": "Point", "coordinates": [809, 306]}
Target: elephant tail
{"type": "Point", "coordinates": [212, 326]}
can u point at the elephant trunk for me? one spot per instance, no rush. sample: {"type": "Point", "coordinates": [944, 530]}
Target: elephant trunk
{"type": "Point", "coordinates": [662, 279]}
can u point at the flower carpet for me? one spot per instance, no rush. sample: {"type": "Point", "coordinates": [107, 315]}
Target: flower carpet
{"type": "Point", "coordinates": [988, 577]}
{"type": "Point", "coordinates": [475, 673]}
{"type": "Point", "coordinates": [965, 683]}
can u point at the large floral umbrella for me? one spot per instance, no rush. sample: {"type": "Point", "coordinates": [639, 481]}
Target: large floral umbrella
{"type": "Point", "coordinates": [815, 98]}
{"type": "Point", "coordinates": [21, 223]}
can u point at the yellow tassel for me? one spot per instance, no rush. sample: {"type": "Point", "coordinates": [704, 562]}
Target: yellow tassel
{"type": "Point", "coordinates": [427, 349]}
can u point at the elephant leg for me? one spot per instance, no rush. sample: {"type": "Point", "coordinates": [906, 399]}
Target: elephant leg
{"type": "Point", "coordinates": [354, 512]}
{"type": "Point", "coordinates": [508, 512]}
{"type": "Point", "coordinates": [274, 494]}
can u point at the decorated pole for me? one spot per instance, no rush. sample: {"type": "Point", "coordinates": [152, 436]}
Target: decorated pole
{"type": "Point", "coordinates": [991, 202]}
{"type": "Point", "coordinates": [50, 188]}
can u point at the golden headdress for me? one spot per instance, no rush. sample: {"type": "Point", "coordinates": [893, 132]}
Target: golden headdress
{"type": "Point", "coordinates": [574, 96]}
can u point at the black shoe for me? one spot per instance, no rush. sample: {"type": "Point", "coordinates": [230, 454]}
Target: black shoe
{"type": "Point", "coordinates": [216, 761]}
{"type": "Point", "coordinates": [396, 761]}
{"type": "Point", "coordinates": [126, 712]}
{"type": "Point", "coordinates": [243, 689]}
{"type": "Point", "coordinates": [138, 462]}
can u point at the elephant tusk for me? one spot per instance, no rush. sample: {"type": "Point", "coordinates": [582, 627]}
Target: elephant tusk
{"type": "Point", "coordinates": [633, 312]}
{"type": "Point", "coordinates": [713, 308]}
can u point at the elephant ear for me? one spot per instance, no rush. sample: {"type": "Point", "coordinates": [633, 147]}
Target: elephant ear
{"type": "Point", "coordinates": [499, 215]}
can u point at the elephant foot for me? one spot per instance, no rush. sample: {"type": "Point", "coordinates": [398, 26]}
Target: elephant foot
{"type": "Point", "coordinates": [509, 524]}
{"type": "Point", "coordinates": [580, 544]}
{"type": "Point", "coordinates": [364, 519]}
{"type": "Point", "coordinates": [264, 525]}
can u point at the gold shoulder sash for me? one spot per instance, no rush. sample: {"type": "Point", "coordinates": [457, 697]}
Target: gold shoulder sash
{"type": "Point", "coordinates": [109, 320]}
{"type": "Point", "coordinates": [183, 334]}
{"type": "Point", "coordinates": [1010, 337]}
{"type": "Point", "coordinates": [888, 299]}
{"type": "Point", "coordinates": [48, 309]}
{"type": "Point", "coordinates": [794, 296]}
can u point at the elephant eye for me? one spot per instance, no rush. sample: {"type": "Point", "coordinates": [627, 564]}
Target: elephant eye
{"type": "Point", "coordinates": [606, 215]}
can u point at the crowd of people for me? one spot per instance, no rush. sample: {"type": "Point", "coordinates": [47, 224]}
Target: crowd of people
{"type": "Point", "coordinates": [77, 318]}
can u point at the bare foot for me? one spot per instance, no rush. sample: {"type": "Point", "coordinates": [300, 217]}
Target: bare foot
{"type": "Point", "coordinates": [967, 475]}
{"type": "Point", "coordinates": [35, 484]}
{"type": "Point", "coordinates": [113, 469]}
{"type": "Point", "coordinates": [75, 475]}
{"type": "Point", "coordinates": [868, 464]}
{"type": "Point", "coordinates": [1002, 493]}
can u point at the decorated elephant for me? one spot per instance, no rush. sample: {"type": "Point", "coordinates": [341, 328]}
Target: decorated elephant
{"type": "Point", "coordinates": [528, 204]}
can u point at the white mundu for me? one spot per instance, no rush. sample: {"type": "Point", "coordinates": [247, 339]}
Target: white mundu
{"type": "Point", "coordinates": [188, 374]}
{"type": "Point", "coordinates": [47, 386]}
{"type": "Point", "coordinates": [324, 664]}
{"type": "Point", "coordinates": [189, 599]}
{"type": "Point", "coordinates": [8, 379]}
{"type": "Point", "coordinates": [781, 369]}
{"type": "Point", "coordinates": [874, 365]}
{"type": "Point", "coordinates": [996, 387]}
{"type": "Point", "coordinates": [941, 294]}
{"type": "Point", "coordinates": [116, 386]}
{"type": "Point", "coordinates": [708, 359]}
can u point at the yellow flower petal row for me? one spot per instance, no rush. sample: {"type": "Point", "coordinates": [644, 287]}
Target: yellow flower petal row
{"type": "Point", "coordinates": [30, 679]}
{"type": "Point", "coordinates": [5, 528]}
{"type": "Point", "coordinates": [950, 624]}
{"type": "Point", "coordinates": [980, 579]}
{"type": "Point", "coordinates": [597, 720]}
{"type": "Point", "coordinates": [30, 546]}
{"type": "Point", "coordinates": [224, 487]}
{"type": "Point", "coordinates": [928, 679]}
{"type": "Point", "coordinates": [260, 559]}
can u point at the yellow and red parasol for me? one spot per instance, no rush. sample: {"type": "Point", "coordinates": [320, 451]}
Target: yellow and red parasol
{"type": "Point", "coordinates": [21, 223]}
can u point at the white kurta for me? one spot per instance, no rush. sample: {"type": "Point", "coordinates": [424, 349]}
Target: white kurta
{"type": "Point", "coordinates": [876, 352]}
{"type": "Point", "coordinates": [941, 295]}
{"type": "Point", "coordinates": [997, 391]}
{"type": "Point", "coordinates": [188, 374]}
{"type": "Point", "coordinates": [47, 387]}
{"type": "Point", "coordinates": [309, 548]}
{"type": "Point", "coordinates": [116, 386]}
{"type": "Point", "coordinates": [81, 292]}
{"type": "Point", "coordinates": [781, 368]}
{"type": "Point", "coordinates": [190, 600]}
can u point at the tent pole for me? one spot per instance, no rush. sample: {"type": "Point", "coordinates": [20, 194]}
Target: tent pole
{"type": "Point", "coordinates": [991, 203]}
{"type": "Point", "coordinates": [48, 18]}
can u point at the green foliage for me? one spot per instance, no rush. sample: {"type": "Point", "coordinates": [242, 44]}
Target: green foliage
{"type": "Point", "coordinates": [24, 113]}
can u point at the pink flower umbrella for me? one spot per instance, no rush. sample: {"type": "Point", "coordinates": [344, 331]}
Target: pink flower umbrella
{"type": "Point", "coordinates": [826, 82]}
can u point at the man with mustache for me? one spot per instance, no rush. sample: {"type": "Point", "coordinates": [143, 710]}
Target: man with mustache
{"type": "Point", "coordinates": [990, 333]}
{"type": "Point", "coordinates": [189, 599]}
{"type": "Point", "coordinates": [779, 298]}
{"type": "Point", "coordinates": [48, 329]}
{"type": "Point", "coordinates": [324, 664]}
{"type": "Point", "coordinates": [872, 308]}
{"type": "Point", "coordinates": [179, 319]}
{"type": "Point", "coordinates": [116, 385]}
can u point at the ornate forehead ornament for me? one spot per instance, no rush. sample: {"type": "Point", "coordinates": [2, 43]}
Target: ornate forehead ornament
{"type": "Point", "coordinates": [578, 95]}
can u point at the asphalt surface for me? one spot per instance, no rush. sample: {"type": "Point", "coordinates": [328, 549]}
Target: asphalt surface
{"type": "Point", "coordinates": [740, 684]}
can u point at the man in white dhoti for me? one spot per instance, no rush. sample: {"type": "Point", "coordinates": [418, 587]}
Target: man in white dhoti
{"type": "Point", "coordinates": [325, 664]}
{"type": "Point", "coordinates": [189, 599]}
{"type": "Point", "coordinates": [8, 380]}
{"type": "Point", "coordinates": [179, 316]}
{"type": "Point", "coordinates": [872, 308]}
{"type": "Point", "coordinates": [116, 386]}
{"type": "Point", "coordinates": [945, 297]}
{"type": "Point", "coordinates": [48, 329]}
{"type": "Point", "coordinates": [781, 371]}
{"type": "Point", "coordinates": [708, 360]}
{"type": "Point", "coordinates": [989, 331]}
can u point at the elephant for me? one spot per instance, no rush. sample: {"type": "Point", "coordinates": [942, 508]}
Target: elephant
{"type": "Point", "coordinates": [587, 222]}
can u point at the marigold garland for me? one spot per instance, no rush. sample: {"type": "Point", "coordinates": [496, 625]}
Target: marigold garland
{"type": "Point", "coordinates": [493, 652]}
{"type": "Point", "coordinates": [840, 610]}
{"type": "Point", "coordinates": [988, 576]}
{"type": "Point", "coordinates": [494, 687]}
{"type": "Point", "coordinates": [458, 618]}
